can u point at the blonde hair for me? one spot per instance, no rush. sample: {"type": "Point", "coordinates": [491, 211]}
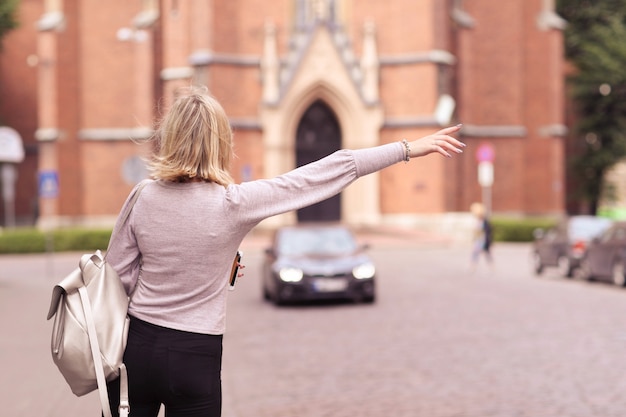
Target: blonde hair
{"type": "Point", "coordinates": [195, 140]}
{"type": "Point", "coordinates": [477, 209]}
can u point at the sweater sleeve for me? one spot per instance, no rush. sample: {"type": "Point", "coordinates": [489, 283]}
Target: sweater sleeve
{"type": "Point", "coordinates": [309, 184]}
{"type": "Point", "coordinates": [123, 252]}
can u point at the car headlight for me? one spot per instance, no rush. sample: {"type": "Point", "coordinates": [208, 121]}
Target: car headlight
{"type": "Point", "coordinates": [364, 271]}
{"type": "Point", "coordinates": [289, 274]}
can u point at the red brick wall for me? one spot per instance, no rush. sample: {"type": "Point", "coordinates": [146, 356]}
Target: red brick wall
{"type": "Point", "coordinates": [508, 72]}
{"type": "Point", "coordinates": [18, 109]}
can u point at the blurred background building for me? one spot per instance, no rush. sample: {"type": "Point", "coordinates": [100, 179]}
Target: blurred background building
{"type": "Point", "coordinates": [84, 82]}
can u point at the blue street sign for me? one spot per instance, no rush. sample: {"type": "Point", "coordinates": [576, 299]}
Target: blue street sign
{"type": "Point", "coordinates": [48, 184]}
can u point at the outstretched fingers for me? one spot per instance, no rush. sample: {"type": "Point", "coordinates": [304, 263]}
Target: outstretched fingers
{"type": "Point", "coordinates": [449, 130]}
{"type": "Point", "coordinates": [444, 144]}
{"type": "Point", "coordinates": [441, 142]}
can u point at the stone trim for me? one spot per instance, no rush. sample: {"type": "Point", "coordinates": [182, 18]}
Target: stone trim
{"type": "Point", "coordinates": [434, 56]}
{"type": "Point", "coordinates": [115, 133]}
{"type": "Point", "coordinates": [146, 19]}
{"type": "Point", "coordinates": [461, 17]}
{"type": "Point", "coordinates": [53, 20]}
{"type": "Point", "coordinates": [494, 131]}
{"type": "Point", "coordinates": [556, 129]}
{"type": "Point", "coordinates": [410, 122]}
{"type": "Point", "coordinates": [47, 134]}
{"type": "Point", "coordinates": [548, 20]}
{"type": "Point", "coordinates": [205, 58]}
{"type": "Point", "coordinates": [245, 124]}
{"type": "Point", "coordinates": [176, 73]}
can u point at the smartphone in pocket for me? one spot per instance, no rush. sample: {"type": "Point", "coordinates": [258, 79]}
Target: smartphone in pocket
{"type": "Point", "coordinates": [234, 270]}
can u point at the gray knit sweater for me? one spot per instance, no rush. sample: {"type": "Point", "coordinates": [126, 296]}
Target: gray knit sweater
{"type": "Point", "coordinates": [186, 234]}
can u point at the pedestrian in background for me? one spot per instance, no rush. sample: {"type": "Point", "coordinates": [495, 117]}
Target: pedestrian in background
{"type": "Point", "coordinates": [482, 236]}
{"type": "Point", "coordinates": [174, 253]}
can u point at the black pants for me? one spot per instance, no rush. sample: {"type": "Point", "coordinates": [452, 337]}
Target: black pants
{"type": "Point", "coordinates": [180, 370]}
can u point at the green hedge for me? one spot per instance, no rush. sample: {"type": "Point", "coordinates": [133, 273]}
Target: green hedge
{"type": "Point", "coordinates": [29, 240]}
{"type": "Point", "coordinates": [518, 230]}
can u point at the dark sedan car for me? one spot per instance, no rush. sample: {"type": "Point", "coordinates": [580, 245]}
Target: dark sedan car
{"type": "Point", "coordinates": [564, 245]}
{"type": "Point", "coordinates": [316, 262]}
{"type": "Point", "coordinates": [606, 256]}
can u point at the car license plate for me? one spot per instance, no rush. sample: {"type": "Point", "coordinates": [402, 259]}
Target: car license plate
{"type": "Point", "coordinates": [330, 285]}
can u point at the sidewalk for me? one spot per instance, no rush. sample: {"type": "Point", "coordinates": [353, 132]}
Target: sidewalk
{"type": "Point", "coordinates": [374, 236]}
{"type": "Point", "coordinates": [44, 269]}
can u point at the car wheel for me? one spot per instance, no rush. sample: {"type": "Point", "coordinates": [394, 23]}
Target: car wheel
{"type": "Point", "coordinates": [277, 299]}
{"type": "Point", "coordinates": [585, 270]}
{"type": "Point", "coordinates": [564, 266]}
{"type": "Point", "coordinates": [617, 272]}
{"type": "Point", "coordinates": [266, 294]}
{"type": "Point", "coordinates": [369, 299]}
{"type": "Point", "coordinates": [537, 265]}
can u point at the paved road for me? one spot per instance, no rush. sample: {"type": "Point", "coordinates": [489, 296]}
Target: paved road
{"type": "Point", "coordinates": [439, 342]}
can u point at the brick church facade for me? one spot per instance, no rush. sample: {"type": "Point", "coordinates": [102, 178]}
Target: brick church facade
{"type": "Point", "coordinates": [84, 83]}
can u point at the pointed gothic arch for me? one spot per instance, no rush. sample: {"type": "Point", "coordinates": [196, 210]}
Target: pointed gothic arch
{"type": "Point", "coordinates": [318, 134]}
{"type": "Point", "coordinates": [322, 75]}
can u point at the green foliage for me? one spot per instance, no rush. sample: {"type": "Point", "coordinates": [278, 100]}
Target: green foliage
{"type": "Point", "coordinates": [29, 240]}
{"type": "Point", "coordinates": [594, 44]}
{"type": "Point", "coordinates": [22, 241]}
{"type": "Point", "coordinates": [63, 240]}
{"type": "Point", "coordinates": [518, 230]}
{"type": "Point", "coordinates": [80, 240]}
{"type": "Point", "coordinates": [8, 19]}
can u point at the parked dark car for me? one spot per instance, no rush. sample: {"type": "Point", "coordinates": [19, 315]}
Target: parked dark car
{"type": "Point", "coordinates": [564, 245]}
{"type": "Point", "coordinates": [605, 258]}
{"type": "Point", "coordinates": [317, 262]}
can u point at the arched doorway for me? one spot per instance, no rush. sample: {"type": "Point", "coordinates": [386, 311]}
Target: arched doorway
{"type": "Point", "coordinates": [317, 136]}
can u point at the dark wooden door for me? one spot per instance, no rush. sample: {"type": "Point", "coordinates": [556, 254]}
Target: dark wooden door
{"type": "Point", "coordinates": [318, 135]}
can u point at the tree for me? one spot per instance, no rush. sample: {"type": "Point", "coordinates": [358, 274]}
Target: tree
{"type": "Point", "coordinates": [8, 19]}
{"type": "Point", "coordinates": [595, 43]}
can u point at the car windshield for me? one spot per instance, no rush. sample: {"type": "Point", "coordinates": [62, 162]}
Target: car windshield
{"type": "Point", "coordinates": [588, 227]}
{"type": "Point", "coordinates": [319, 241]}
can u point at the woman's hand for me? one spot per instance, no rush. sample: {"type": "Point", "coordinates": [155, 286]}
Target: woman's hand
{"type": "Point", "coordinates": [440, 142]}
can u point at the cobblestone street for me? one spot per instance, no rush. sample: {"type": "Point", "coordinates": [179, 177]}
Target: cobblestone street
{"type": "Point", "coordinates": [438, 342]}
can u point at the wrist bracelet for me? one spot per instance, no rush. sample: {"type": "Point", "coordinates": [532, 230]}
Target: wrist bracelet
{"type": "Point", "coordinates": [407, 150]}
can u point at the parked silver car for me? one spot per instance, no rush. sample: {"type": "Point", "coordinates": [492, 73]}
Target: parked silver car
{"type": "Point", "coordinates": [564, 245]}
{"type": "Point", "coordinates": [605, 259]}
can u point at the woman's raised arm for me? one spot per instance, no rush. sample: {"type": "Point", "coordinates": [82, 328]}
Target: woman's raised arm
{"type": "Point", "coordinates": [440, 142]}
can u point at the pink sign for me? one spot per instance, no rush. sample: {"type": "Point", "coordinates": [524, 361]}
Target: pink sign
{"type": "Point", "coordinates": [485, 153]}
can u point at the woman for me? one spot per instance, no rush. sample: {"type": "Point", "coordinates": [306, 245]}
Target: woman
{"type": "Point", "coordinates": [175, 252]}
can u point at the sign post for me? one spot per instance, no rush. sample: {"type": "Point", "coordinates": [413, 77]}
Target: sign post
{"type": "Point", "coordinates": [485, 156]}
{"type": "Point", "coordinates": [11, 153]}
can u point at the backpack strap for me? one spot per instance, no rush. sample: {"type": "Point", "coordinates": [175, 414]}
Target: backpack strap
{"type": "Point", "coordinates": [124, 408]}
{"type": "Point", "coordinates": [95, 352]}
